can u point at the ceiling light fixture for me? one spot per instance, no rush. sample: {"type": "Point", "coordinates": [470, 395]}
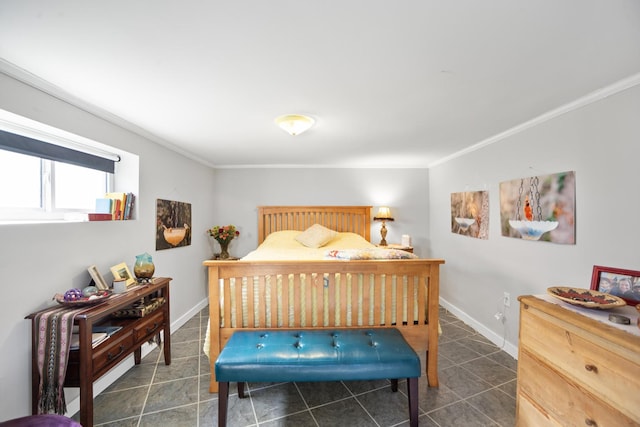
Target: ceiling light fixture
{"type": "Point", "coordinates": [294, 124]}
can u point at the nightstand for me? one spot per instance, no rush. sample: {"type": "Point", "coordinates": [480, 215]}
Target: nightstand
{"type": "Point", "coordinates": [399, 247]}
{"type": "Point", "coordinates": [216, 257]}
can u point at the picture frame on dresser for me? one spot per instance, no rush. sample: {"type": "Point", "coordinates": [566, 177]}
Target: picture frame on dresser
{"type": "Point", "coordinates": [620, 282]}
{"type": "Point", "coordinates": [97, 278]}
{"type": "Point", "coordinates": [121, 272]}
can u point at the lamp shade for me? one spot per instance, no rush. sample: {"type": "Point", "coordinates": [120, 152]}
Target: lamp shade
{"type": "Point", "coordinates": [384, 214]}
{"type": "Point", "coordinates": [294, 124]}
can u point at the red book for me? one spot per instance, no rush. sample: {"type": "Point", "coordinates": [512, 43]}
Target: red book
{"type": "Point", "coordinates": [100, 217]}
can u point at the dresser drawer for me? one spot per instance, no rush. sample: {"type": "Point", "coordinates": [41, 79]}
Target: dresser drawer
{"type": "Point", "coordinates": [112, 351]}
{"type": "Point", "coordinates": [602, 369]}
{"type": "Point", "coordinates": [528, 414]}
{"type": "Point", "coordinates": [560, 400]}
{"type": "Point", "coordinates": [148, 327]}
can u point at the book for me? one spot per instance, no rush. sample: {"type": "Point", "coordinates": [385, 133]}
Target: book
{"type": "Point", "coordinates": [103, 205]}
{"type": "Point", "coordinates": [107, 329]}
{"type": "Point", "coordinates": [100, 217]}
{"type": "Point", "coordinates": [118, 205]}
{"type": "Point", "coordinates": [96, 338]}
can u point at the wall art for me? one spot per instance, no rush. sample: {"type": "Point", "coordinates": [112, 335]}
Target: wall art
{"type": "Point", "coordinates": [539, 208]}
{"type": "Point", "coordinates": [173, 224]}
{"type": "Point", "coordinates": [470, 214]}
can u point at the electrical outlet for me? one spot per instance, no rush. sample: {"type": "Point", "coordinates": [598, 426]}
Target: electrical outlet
{"type": "Point", "coordinates": [506, 299]}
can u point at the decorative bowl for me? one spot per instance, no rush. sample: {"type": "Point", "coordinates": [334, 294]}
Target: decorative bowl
{"type": "Point", "coordinates": [587, 298]}
{"type": "Point", "coordinates": [101, 296]}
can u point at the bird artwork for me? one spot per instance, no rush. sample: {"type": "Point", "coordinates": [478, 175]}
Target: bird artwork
{"type": "Point", "coordinates": [528, 212]}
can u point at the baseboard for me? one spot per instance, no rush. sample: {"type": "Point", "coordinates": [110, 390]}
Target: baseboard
{"type": "Point", "coordinates": [73, 405]}
{"type": "Point", "coordinates": [508, 347]}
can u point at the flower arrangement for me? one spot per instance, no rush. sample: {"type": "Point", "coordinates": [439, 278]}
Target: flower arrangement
{"type": "Point", "coordinates": [223, 234]}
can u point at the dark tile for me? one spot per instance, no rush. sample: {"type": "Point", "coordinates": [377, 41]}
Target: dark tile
{"type": "Point", "coordinates": [127, 422]}
{"type": "Point", "coordinates": [479, 344]}
{"type": "Point", "coordinates": [496, 405]}
{"type": "Point", "coordinates": [457, 352]}
{"type": "Point", "coordinates": [455, 331]}
{"type": "Point", "coordinates": [172, 394]}
{"type": "Point", "coordinates": [462, 382]}
{"type": "Point", "coordinates": [204, 393]}
{"type": "Point", "coordinates": [108, 407]}
{"type": "Point", "coordinates": [277, 401]}
{"type": "Point", "coordinates": [319, 393]}
{"type": "Point", "coordinates": [346, 412]}
{"type": "Point", "coordinates": [301, 419]}
{"type": "Point", "coordinates": [386, 407]}
{"type": "Point", "coordinates": [185, 349]}
{"type": "Point", "coordinates": [461, 414]}
{"type": "Point", "coordinates": [357, 387]}
{"type": "Point", "coordinates": [179, 368]}
{"type": "Point", "coordinates": [505, 359]}
{"type": "Point", "coordinates": [194, 322]}
{"type": "Point", "coordinates": [423, 421]}
{"type": "Point", "coordinates": [138, 375]}
{"type": "Point", "coordinates": [239, 413]}
{"type": "Point", "coordinates": [208, 415]}
{"type": "Point", "coordinates": [490, 371]}
{"type": "Point", "coordinates": [511, 388]}
{"type": "Point", "coordinates": [205, 365]}
{"type": "Point", "coordinates": [183, 335]}
{"type": "Point", "coordinates": [432, 398]}
{"type": "Point", "coordinates": [184, 416]}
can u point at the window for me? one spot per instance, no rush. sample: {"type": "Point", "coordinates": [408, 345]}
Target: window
{"type": "Point", "coordinates": [49, 180]}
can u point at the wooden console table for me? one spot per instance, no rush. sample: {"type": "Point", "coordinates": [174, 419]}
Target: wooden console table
{"type": "Point", "coordinates": [88, 363]}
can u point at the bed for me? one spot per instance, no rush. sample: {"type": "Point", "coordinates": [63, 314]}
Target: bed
{"type": "Point", "coordinates": [325, 293]}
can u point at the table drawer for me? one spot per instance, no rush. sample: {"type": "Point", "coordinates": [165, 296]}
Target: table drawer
{"type": "Point", "coordinates": [600, 370]}
{"type": "Point", "coordinates": [148, 327]}
{"type": "Point", "coordinates": [111, 352]}
{"type": "Point", "coordinates": [560, 400]}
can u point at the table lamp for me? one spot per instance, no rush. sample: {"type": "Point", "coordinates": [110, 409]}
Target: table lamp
{"type": "Point", "coordinates": [384, 215]}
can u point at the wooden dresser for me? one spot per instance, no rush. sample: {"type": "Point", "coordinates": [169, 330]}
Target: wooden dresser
{"type": "Point", "coordinates": [89, 363]}
{"type": "Point", "coordinates": [574, 370]}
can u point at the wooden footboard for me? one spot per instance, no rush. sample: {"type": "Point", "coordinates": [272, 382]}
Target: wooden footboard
{"type": "Point", "coordinates": [326, 295]}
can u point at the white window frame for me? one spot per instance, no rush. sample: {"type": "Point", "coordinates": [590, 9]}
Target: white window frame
{"type": "Point", "coordinates": [12, 123]}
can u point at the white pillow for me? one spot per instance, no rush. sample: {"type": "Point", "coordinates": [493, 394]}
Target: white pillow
{"type": "Point", "coordinates": [316, 236]}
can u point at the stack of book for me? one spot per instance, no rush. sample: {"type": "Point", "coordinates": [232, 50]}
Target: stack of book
{"type": "Point", "coordinates": [99, 334]}
{"type": "Point", "coordinates": [114, 206]}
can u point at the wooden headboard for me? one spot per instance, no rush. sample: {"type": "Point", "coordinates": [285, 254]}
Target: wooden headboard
{"type": "Point", "coordinates": [355, 219]}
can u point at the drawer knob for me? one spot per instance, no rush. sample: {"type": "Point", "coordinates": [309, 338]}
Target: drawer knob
{"type": "Point", "coordinates": [590, 422]}
{"type": "Point", "coordinates": [591, 368]}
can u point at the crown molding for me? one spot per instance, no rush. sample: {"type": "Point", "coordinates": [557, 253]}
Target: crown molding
{"type": "Point", "coordinates": [590, 98]}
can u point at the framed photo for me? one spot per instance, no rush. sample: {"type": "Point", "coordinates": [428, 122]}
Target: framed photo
{"type": "Point", "coordinates": [98, 280]}
{"type": "Point", "coordinates": [121, 272]}
{"type": "Point", "coordinates": [617, 281]}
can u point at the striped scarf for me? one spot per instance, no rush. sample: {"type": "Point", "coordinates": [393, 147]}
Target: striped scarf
{"type": "Point", "coordinates": [54, 337]}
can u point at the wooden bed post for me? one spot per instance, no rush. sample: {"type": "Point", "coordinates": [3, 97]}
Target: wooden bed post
{"type": "Point", "coordinates": [434, 326]}
{"type": "Point", "coordinates": [214, 323]}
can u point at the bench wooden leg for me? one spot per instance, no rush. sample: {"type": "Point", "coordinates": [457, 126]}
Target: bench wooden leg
{"type": "Point", "coordinates": [241, 394]}
{"type": "Point", "coordinates": [412, 392]}
{"type": "Point", "coordinates": [223, 403]}
{"type": "Point", "coordinates": [394, 385]}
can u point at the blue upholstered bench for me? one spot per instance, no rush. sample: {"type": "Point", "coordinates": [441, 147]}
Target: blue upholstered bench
{"type": "Point", "coordinates": [317, 355]}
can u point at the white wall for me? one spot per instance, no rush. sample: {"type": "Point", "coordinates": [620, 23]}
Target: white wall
{"type": "Point", "coordinates": [239, 191]}
{"type": "Point", "coordinates": [37, 261]}
{"type": "Point", "coordinates": [601, 143]}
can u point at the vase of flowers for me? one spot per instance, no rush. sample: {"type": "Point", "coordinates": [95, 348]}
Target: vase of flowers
{"type": "Point", "coordinates": [224, 235]}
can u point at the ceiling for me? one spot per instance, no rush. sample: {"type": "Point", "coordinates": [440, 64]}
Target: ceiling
{"type": "Point", "coordinates": [403, 83]}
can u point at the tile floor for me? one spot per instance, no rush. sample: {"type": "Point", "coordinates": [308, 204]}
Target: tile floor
{"type": "Point", "coordinates": [477, 388]}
